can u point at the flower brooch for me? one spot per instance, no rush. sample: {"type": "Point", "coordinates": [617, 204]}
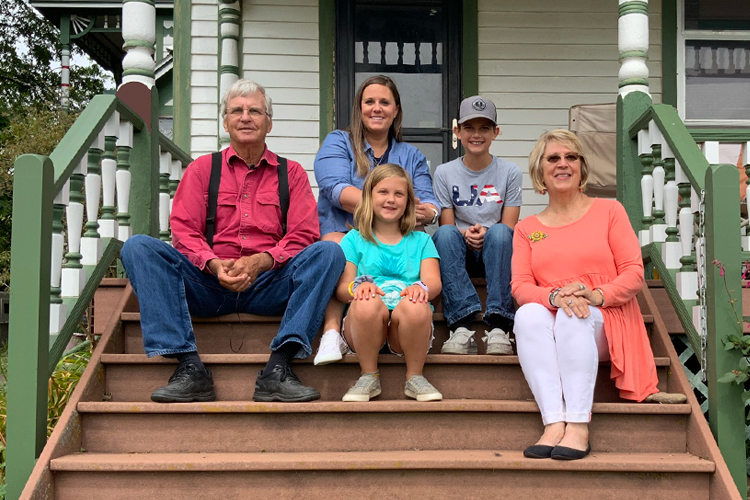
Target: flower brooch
{"type": "Point", "coordinates": [536, 236]}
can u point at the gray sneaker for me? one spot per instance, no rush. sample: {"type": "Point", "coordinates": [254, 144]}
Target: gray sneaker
{"type": "Point", "coordinates": [498, 342]}
{"type": "Point", "coordinates": [419, 388]}
{"type": "Point", "coordinates": [368, 386]}
{"type": "Point", "coordinates": [461, 342]}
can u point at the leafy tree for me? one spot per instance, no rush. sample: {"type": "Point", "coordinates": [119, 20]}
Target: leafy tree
{"type": "Point", "coordinates": [30, 121]}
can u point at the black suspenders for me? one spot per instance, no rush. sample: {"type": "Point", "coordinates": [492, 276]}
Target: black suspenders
{"type": "Point", "coordinates": [213, 194]}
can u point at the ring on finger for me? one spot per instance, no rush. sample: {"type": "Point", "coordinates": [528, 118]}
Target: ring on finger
{"type": "Point", "coordinates": [581, 287]}
{"type": "Point", "coordinates": [570, 302]}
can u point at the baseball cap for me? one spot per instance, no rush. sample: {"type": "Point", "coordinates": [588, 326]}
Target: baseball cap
{"type": "Point", "coordinates": [477, 107]}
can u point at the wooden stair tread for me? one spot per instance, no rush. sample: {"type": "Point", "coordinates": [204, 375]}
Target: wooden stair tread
{"type": "Point", "coordinates": [429, 459]}
{"type": "Point", "coordinates": [254, 318]}
{"type": "Point", "coordinates": [451, 405]}
{"type": "Point", "coordinates": [473, 359]}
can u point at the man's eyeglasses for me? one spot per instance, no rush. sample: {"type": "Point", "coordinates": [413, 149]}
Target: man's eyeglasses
{"type": "Point", "coordinates": [555, 159]}
{"type": "Point", "coordinates": [238, 111]}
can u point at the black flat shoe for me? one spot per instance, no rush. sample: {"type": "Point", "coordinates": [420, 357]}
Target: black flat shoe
{"type": "Point", "coordinates": [538, 451]}
{"type": "Point", "coordinates": [565, 453]}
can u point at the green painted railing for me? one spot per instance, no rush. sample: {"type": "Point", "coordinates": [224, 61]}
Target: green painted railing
{"type": "Point", "coordinates": [717, 186]}
{"type": "Point", "coordinates": [37, 213]}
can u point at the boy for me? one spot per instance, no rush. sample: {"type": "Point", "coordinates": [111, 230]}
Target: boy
{"type": "Point", "coordinates": [480, 197]}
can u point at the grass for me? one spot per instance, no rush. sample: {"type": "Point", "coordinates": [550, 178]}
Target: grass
{"type": "Point", "coordinates": [61, 385]}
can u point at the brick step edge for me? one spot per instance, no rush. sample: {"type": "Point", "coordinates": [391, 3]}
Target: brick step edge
{"type": "Point", "coordinates": [469, 359]}
{"type": "Point", "coordinates": [450, 405]}
{"type": "Point", "coordinates": [388, 460]}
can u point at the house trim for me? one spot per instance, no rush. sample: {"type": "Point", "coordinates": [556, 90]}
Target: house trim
{"type": "Point", "coordinates": [326, 49]}
{"type": "Point", "coordinates": [669, 52]}
{"type": "Point", "coordinates": [181, 74]}
{"type": "Point", "coordinates": [470, 49]}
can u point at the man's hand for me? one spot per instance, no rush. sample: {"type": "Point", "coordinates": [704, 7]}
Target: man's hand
{"type": "Point", "coordinates": [474, 237]}
{"type": "Point", "coordinates": [238, 275]}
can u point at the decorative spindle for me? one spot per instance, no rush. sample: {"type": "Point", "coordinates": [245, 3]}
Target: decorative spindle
{"type": "Point", "coordinates": [57, 308]}
{"type": "Point", "coordinates": [73, 275]}
{"type": "Point", "coordinates": [91, 245]}
{"type": "Point", "coordinates": [108, 223]}
{"type": "Point", "coordinates": [123, 177]}
{"type": "Point", "coordinates": [647, 185]}
{"type": "Point", "coordinates": [165, 162]}
{"type": "Point", "coordinates": [632, 42]}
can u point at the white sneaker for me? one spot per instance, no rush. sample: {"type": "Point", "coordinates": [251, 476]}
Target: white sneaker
{"type": "Point", "coordinates": [461, 342]}
{"type": "Point", "coordinates": [498, 342]}
{"type": "Point", "coordinates": [417, 387]}
{"type": "Point", "coordinates": [332, 348]}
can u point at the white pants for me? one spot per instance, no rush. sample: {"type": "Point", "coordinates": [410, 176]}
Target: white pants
{"type": "Point", "coordinates": [560, 357]}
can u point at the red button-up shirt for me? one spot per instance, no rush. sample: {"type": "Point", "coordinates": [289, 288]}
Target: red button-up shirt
{"type": "Point", "coordinates": [248, 214]}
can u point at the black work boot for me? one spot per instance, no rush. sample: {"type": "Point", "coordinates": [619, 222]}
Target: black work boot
{"type": "Point", "coordinates": [189, 383]}
{"type": "Point", "coordinates": [282, 384]}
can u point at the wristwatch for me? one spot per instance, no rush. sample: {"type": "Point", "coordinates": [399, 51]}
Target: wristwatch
{"type": "Point", "coordinates": [435, 218]}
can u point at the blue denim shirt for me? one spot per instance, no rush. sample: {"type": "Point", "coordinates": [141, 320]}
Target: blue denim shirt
{"type": "Point", "coordinates": [335, 169]}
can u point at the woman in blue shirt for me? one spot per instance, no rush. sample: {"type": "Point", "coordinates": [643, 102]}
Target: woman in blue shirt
{"type": "Point", "coordinates": [343, 162]}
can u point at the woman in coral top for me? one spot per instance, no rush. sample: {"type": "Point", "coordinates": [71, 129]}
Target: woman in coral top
{"type": "Point", "coordinates": [576, 268]}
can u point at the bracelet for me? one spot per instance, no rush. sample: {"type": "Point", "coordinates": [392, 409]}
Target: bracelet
{"type": "Point", "coordinates": [424, 287]}
{"type": "Point", "coordinates": [602, 294]}
{"type": "Point", "coordinates": [435, 218]}
{"type": "Point", "coordinates": [365, 278]}
{"type": "Point", "coordinates": [553, 296]}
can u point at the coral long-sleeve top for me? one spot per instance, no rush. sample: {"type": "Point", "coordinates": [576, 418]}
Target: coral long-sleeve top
{"type": "Point", "coordinates": [600, 250]}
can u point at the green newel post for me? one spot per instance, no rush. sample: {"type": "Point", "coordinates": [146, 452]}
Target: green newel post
{"type": "Point", "coordinates": [724, 306]}
{"type": "Point", "coordinates": [28, 337]}
{"type": "Point", "coordinates": [629, 166]}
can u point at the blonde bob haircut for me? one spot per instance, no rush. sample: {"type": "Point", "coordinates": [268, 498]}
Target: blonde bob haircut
{"type": "Point", "coordinates": [560, 136]}
{"type": "Point", "coordinates": [363, 215]}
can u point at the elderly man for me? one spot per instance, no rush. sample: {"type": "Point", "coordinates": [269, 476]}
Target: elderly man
{"type": "Point", "coordinates": [252, 261]}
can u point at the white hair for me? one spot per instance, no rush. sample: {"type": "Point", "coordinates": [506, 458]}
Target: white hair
{"type": "Point", "coordinates": [242, 88]}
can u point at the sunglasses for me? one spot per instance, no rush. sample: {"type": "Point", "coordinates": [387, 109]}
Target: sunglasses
{"type": "Point", "coordinates": [555, 159]}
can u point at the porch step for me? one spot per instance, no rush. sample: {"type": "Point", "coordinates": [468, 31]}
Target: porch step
{"type": "Point", "coordinates": [140, 427]}
{"type": "Point", "coordinates": [250, 333]}
{"type": "Point", "coordinates": [392, 474]}
{"type": "Point", "coordinates": [133, 377]}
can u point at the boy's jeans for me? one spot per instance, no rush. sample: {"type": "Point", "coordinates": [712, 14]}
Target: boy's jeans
{"type": "Point", "coordinates": [170, 288]}
{"type": "Point", "coordinates": [460, 299]}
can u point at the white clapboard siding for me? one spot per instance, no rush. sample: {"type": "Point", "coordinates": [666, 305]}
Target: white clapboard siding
{"type": "Point", "coordinates": [204, 76]}
{"type": "Point", "coordinates": [537, 58]}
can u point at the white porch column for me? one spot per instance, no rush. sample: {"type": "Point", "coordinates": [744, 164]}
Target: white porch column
{"type": "Point", "coordinates": [139, 35]}
{"type": "Point", "coordinates": [632, 43]}
{"type": "Point", "coordinates": [230, 22]}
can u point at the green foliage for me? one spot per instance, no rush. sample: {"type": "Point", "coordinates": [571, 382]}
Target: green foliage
{"type": "Point", "coordinates": [38, 131]}
{"type": "Point", "coordinates": [61, 385]}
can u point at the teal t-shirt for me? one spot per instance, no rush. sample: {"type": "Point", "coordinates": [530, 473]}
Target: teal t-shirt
{"type": "Point", "coordinates": [393, 267]}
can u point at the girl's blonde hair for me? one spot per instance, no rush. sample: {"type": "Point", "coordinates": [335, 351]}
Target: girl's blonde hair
{"type": "Point", "coordinates": [363, 215]}
{"type": "Point", "coordinates": [567, 139]}
{"type": "Point", "coordinates": [357, 131]}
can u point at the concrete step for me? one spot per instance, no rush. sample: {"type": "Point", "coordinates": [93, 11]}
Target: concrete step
{"type": "Point", "coordinates": [133, 377]}
{"type": "Point", "coordinates": [252, 334]}
{"type": "Point", "coordinates": [246, 426]}
{"type": "Point", "coordinates": [456, 474]}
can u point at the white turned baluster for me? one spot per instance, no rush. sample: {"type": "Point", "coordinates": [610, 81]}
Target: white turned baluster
{"type": "Point", "coordinates": [711, 151]}
{"type": "Point", "coordinates": [175, 174]}
{"type": "Point", "coordinates": [671, 250]}
{"type": "Point", "coordinates": [73, 275]}
{"type": "Point", "coordinates": [91, 243]}
{"type": "Point", "coordinates": [687, 277]}
{"type": "Point", "coordinates": [123, 178]}
{"type": "Point", "coordinates": [647, 185]}
{"type": "Point", "coordinates": [57, 309]}
{"type": "Point", "coordinates": [165, 163]}
{"type": "Point", "coordinates": [108, 223]}
{"type": "Point", "coordinates": [658, 228]}
{"type": "Point", "coordinates": [230, 28]}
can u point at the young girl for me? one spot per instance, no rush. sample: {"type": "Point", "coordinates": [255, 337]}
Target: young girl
{"type": "Point", "coordinates": [391, 274]}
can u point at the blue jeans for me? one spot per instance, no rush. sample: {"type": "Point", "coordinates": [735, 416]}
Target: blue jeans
{"type": "Point", "coordinates": [170, 288]}
{"type": "Point", "coordinates": [460, 299]}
